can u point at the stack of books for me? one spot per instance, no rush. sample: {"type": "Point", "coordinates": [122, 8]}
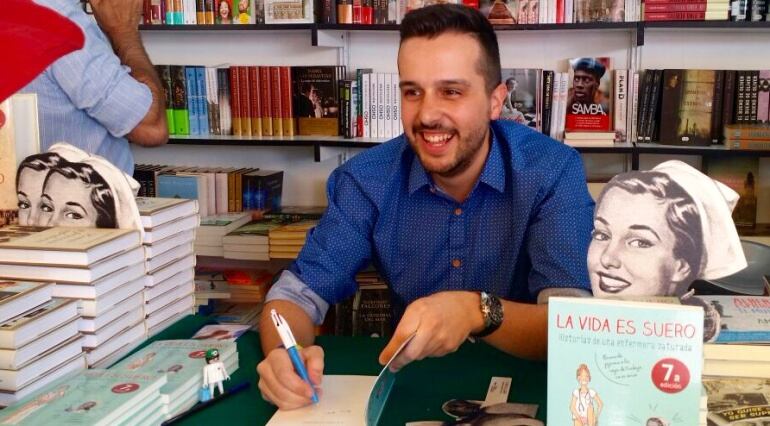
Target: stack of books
{"type": "Point", "coordinates": [286, 241]}
{"type": "Point", "coordinates": [248, 285]}
{"type": "Point", "coordinates": [368, 312]}
{"type": "Point", "coordinates": [182, 361]}
{"type": "Point", "coordinates": [210, 286]}
{"type": "Point", "coordinates": [208, 241]}
{"type": "Point", "coordinates": [102, 268]}
{"type": "Point", "coordinates": [94, 397]}
{"type": "Point", "coordinates": [741, 348]}
{"type": "Point", "coordinates": [237, 313]}
{"type": "Point", "coordinates": [250, 241]}
{"type": "Point", "coordinates": [39, 339]}
{"type": "Point", "coordinates": [579, 139]}
{"type": "Point", "coordinates": [170, 225]}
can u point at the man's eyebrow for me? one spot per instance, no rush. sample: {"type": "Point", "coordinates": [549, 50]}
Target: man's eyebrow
{"type": "Point", "coordinates": [22, 193]}
{"type": "Point", "coordinates": [448, 82]}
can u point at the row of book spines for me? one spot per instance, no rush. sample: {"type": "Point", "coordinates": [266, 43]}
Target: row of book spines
{"type": "Point", "coordinates": [197, 12]}
{"type": "Point", "coordinates": [262, 101]}
{"type": "Point", "coordinates": [230, 181]}
{"type": "Point", "coordinates": [749, 10]}
{"type": "Point", "coordinates": [736, 99]}
{"type": "Point", "coordinates": [689, 7]}
{"type": "Point", "coordinates": [244, 101]}
{"type": "Point", "coordinates": [377, 109]}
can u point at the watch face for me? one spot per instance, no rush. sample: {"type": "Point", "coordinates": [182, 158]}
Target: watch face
{"type": "Point", "coordinates": [496, 313]}
{"type": "Point", "coordinates": [493, 310]}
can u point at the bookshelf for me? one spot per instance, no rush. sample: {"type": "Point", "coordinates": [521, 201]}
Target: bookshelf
{"type": "Point", "coordinates": [633, 45]}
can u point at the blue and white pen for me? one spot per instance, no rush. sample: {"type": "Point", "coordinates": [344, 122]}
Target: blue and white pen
{"type": "Point", "coordinates": [291, 346]}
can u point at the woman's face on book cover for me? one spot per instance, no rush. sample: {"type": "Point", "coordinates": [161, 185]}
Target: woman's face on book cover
{"type": "Point", "coordinates": [631, 250]}
{"type": "Point", "coordinates": [224, 10]}
{"type": "Point", "coordinates": [445, 106]}
{"type": "Point", "coordinates": [30, 186]}
{"type": "Point", "coordinates": [67, 202]}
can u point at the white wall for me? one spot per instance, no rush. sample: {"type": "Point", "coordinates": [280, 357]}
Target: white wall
{"type": "Point", "coordinates": [304, 182]}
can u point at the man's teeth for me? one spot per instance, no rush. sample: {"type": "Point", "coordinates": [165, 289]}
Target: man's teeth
{"type": "Point", "coordinates": [437, 138]}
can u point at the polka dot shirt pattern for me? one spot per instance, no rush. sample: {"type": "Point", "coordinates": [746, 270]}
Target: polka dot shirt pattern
{"type": "Point", "coordinates": [525, 226]}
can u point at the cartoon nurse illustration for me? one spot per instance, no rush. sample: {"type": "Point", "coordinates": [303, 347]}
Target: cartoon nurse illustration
{"type": "Point", "coordinates": [586, 406]}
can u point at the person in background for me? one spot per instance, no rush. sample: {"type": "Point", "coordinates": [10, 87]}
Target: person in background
{"type": "Point", "coordinates": [107, 93]}
{"type": "Point", "coordinates": [471, 220]}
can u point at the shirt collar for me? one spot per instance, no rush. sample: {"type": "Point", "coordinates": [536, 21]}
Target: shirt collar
{"type": "Point", "coordinates": [493, 174]}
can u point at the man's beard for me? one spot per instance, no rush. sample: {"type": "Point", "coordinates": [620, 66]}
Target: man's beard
{"type": "Point", "coordinates": [466, 151]}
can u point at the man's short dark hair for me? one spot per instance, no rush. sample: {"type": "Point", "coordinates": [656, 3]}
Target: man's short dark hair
{"type": "Point", "coordinates": [432, 21]}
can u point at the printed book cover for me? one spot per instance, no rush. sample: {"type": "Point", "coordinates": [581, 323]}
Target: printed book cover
{"type": "Point", "coordinates": [8, 198]}
{"type": "Point", "coordinates": [737, 401]}
{"type": "Point", "coordinates": [181, 360]}
{"type": "Point", "coordinates": [688, 103]}
{"type": "Point", "coordinates": [742, 319]}
{"type": "Point", "coordinates": [589, 104]}
{"type": "Point", "coordinates": [521, 101]}
{"type": "Point", "coordinates": [316, 100]}
{"type": "Point", "coordinates": [620, 363]}
{"type": "Point", "coordinates": [67, 239]}
{"type": "Point", "coordinates": [151, 205]}
{"type": "Point", "coordinates": [741, 174]}
{"type": "Point", "coordinates": [94, 397]}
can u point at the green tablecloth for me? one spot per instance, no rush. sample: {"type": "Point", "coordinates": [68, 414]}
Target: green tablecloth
{"type": "Point", "coordinates": [419, 391]}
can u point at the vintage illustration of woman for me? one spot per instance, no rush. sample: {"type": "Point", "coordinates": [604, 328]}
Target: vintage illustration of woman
{"type": "Point", "coordinates": [29, 183]}
{"type": "Point", "coordinates": [586, 405]}
{"type": "Point", "coordinates": [66, 186]}
{"type": "Point", "coordinates": [74, 194]}
{"type": "Point", "coordinates": [680, 230]}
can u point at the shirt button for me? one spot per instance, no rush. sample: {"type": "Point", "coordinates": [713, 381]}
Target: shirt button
{"type": "Point", "coordinates": [458, 211]}
{"type": "Point", "coordinates": [457, 263]}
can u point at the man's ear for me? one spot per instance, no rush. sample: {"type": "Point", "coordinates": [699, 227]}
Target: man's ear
{"type": "Point", "coordinates": [496, 101]}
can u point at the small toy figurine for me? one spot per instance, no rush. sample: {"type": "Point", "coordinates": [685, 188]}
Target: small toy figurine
{"type": "Point", "coordinates": [214, 372]}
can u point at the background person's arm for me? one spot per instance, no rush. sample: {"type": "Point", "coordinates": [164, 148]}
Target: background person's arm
{"type": "Point", "coordinates": [119, 20]}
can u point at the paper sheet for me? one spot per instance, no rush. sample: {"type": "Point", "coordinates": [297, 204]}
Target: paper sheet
{"type": "Point", "coordinates": [343, 402]}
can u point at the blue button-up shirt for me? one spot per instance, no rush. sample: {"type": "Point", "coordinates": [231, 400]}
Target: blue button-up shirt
{"type": "Point", "coordinates": [525, 226]}
{"type": "Point", "coordinates": [87, 98]}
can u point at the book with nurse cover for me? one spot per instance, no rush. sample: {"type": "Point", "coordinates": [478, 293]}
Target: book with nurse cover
{"type": "Point", "coordinates": [616, 363]}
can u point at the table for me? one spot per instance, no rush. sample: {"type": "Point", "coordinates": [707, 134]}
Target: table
{"type": "Point", "coordinates": [419, 391]}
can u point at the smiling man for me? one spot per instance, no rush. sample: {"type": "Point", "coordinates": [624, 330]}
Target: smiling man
{"type": "Point", "coordinates": [470, 220]}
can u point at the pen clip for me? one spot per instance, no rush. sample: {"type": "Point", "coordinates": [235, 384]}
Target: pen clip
{"type": "Point", "coordinates": [283, 329]}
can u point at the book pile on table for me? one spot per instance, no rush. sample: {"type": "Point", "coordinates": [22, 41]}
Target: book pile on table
{"type": "Point", "coordinates": [250, 241]}
{"type": "Point", "coordinates": [208, 241]}
{"type": "Point", "coordinates": [39, 339]}
{"type": "Point", "coordinates": [170, 226]}
{"type": "Point", "coordinates": [93, 397]}
{"type": "Point", "coordinates": [182, 361]}
{"type": "Point", "coordinates": [286, 241]}
{"type": "Point", "coordinates": [102, 268]}
{"type": "Point", "coordinates": [741, 347]}
{"type": "Point", "coordinates": [210, 286]}
{"type": "Point", "coordinates": [237, 313]}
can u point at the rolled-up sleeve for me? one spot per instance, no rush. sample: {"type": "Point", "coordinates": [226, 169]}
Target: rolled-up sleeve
{"type": "Point", "coordinates": [289, 287]}
{"type": "Point", "coordinates": [96, 82]}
